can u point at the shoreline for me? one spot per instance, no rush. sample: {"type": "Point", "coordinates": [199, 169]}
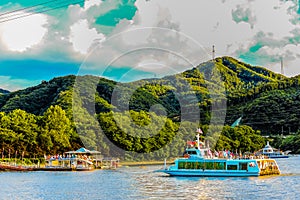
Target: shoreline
{"type": "Point", "coordinates": [144, 163]}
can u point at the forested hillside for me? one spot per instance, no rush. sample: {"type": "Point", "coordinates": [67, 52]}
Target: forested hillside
{"type": "Point", "coordinates": [3, 91]}
{"type": "Point", "coordinates": [40, 120]}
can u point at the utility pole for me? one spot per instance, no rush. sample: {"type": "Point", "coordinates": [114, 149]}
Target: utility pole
{"type": "Point", "coordinates": [281, 66]}
{"type": "Point", "coordinates": [213, 52]}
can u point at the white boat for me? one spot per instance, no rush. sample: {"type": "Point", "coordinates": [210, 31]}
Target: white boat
{"type": "Point", "coordinates": [271, 152]}
{"type": "Point", "coordinates": [195, 164]}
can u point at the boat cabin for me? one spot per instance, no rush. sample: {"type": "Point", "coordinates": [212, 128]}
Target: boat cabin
{"type": "Point", "coordinates": [271, 152]}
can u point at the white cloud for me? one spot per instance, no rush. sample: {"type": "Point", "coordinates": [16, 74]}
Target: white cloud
{"type": "Point", "coordinates": [292, 67]}
{"type": "Point", "coordinates": [90, 3]}
{"type": "Point", "coordinates": [207, 22]}
{"type": "Point", "coordinates": [290, 55]}
{"type": "Point", "coordinates": [82, 37]}
{"type": "Point", "coordinates": [242, 14]}
{"type": "Point", "coordinates": [272, 17]}
{"type": "Point", "coordinates": [11, 84]}
{"type": "Point", "coordinates": [210, 22]}
{"type": "Point", "coordinates": [24, 33]}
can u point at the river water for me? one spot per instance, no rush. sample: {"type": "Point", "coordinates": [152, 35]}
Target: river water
{"type": "Point", "coordinates": [141, 183]}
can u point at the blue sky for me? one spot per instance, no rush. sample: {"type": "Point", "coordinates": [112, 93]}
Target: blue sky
{"type": "Point", "coordinates": [113, 38]}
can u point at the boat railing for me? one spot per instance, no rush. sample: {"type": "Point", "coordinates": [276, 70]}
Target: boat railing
{"type": "Point", "coordinates": [186, 156]}
{"type": "Point", "coordinates": [6, 164]}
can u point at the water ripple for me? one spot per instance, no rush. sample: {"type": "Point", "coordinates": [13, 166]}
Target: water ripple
{"type": "Point", "coordinates": [141, 184]}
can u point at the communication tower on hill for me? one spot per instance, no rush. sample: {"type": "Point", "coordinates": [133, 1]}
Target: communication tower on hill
{"type": "Point", "coordinates": [213, 52]}
{"type": "Point", "coordinates": [281, 66]}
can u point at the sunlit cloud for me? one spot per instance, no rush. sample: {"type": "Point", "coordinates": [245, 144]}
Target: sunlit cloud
{"type": "Point", "coordinates": [22, 34]}
{"type": "Point", "coordinates": [82, 37]}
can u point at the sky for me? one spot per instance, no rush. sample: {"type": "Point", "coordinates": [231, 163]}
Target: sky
{"type": "Point", "coordinates": [127, 40]}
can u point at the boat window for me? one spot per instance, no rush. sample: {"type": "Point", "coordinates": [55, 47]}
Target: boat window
{"type": "Point", "coordinates": [243, 166]}
{"type": "Point", "coordinates": [190, 165]}
{"type": "Point", "coordinates": [194, 165]}
{"type": "Point", "coordinates": [181, 165]}
{"type": "Point", "coordinates": [203, 165]}
{"type": "Point", "coordinates": [192, 152]}
{"type": "Point", "coordinates": [220, 166]}
{"type": "Point", "coordinates": [200, 165]}
{"type": "Point", "coordinates": [185, 165]}
{"type": "Point", "coordinates": [206, 165]}
{"type": "Point", "coordinates": [232, 167]}
{"type": "Point", "coordinates": [209, 165]}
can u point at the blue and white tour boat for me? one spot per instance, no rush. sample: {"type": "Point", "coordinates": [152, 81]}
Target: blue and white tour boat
{"type": "Point", "coordinates": [196, 163]}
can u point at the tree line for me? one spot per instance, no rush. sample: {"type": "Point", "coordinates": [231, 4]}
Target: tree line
{"type": "Point", "coordinates": [140, 135]}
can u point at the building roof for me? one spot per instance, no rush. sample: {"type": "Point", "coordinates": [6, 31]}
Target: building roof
{"type": "Point", "coordinates": [83, 150]}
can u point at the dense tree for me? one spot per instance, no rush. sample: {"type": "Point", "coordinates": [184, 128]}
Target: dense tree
{"type": "Point", "coordinates": [57, 127]}
{"type": "Point", "coordinates": [241, 138]}
{"type": "Point", "coordinates": [289, 143]}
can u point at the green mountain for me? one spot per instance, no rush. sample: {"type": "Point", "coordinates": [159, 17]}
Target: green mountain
{"type": "Point", "coordinates": [262, 97]}
{"type": "Point", "coordinates": [2, 91]}
{"type": "Point", "coordinates": [268, 102]}
{"type": "Point", "coordinates": [37, 99]}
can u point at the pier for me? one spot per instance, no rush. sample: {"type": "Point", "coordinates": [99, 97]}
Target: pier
{"type": "Point", "coordinates": [79, 160]}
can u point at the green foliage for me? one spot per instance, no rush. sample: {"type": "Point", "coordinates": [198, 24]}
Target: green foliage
{"type": "Point", "coordinates": [134, 131]}
{"type": "Point", "coordinates": [241, 138]}
{"type": "Point", "coordinates": [18, 129]}
{"type": "Point", "coordinates": [289, 143]}
{"type": "Point", "coordinates": [57, 127]}
{"type": "Point", "coordinates": [35, 135]}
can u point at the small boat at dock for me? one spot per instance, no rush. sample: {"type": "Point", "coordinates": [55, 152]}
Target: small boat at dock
{"type": "Point", "coordinates": [10, 167]}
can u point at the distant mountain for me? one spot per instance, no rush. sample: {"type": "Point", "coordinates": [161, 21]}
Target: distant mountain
{"type": "Point", "coordinates": [2, 91]}
{"type": "Point", "coordinates": [267, 101]}
{"type": "Point", "coordinates": [38, 98]}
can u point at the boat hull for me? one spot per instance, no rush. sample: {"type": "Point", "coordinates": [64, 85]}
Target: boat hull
{"type": "Point", "coordinates": [201, 173]}
{"type": "Point", "coordinates": [279, 156]}
{"type": "Point", "coordinates": [14, 168]}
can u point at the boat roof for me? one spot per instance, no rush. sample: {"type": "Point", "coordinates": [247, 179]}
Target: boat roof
{"type": "Point", "coordinates": [83, 150]}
